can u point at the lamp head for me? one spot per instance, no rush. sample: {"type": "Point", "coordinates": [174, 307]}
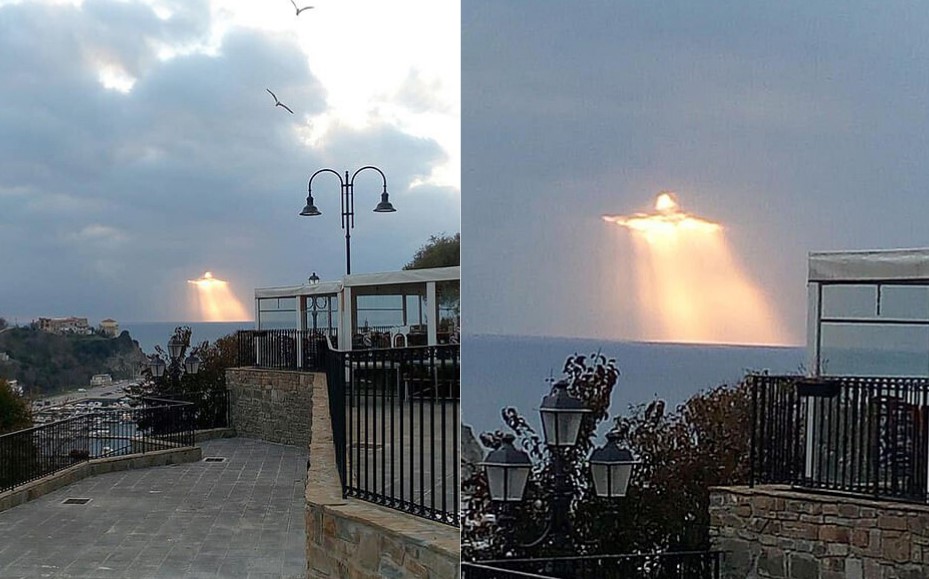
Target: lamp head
{"type": "Point", "coordinates": [310, 209]}
{"type": "Point", "coordinates": [384, 206]}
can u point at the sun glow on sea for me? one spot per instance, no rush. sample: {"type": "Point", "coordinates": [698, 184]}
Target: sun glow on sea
{"type": "Point", "coordinates": [690, 287]}
{"type": "Point", "coordinates": [214, 300]}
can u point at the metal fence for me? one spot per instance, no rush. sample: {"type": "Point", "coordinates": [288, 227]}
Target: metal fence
{"type": "Point", "coordinates": [859, 435]}
{"type": "Point", "coordinates": [395, 419]}
{"type": "Point", "coordinates": [672, 565]}
{"type": "Point", "coordinates": [283, 349]}
{"type": "Point", "coordinates": [211, 408]}
{"type": "Point", "coordinates": [31, 454]}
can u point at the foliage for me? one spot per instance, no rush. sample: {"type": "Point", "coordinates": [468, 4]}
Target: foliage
{"type": "Point", "coordinates": [589, 378]}
{"type": "Point", "coordinates": [3, 323]}
{"type": "Point", "coordinates": [15, 413]}
{"type": "Point", "coordinates": [703, 443]}
{"type": "Point", "coordinates": [206, 389]}
{"type": "Point", "coordinates": [440, 251]}
{"type": "Point", "coordinates": [45, 363]}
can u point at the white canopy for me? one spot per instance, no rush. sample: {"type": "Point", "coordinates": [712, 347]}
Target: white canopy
{"type": "Point", "coordinates": [872, 265]}
{"type": "Point", "coordinates": [403, 277]}
{"type": "Point", "coordinates": [408, 276]}
{"type": "Point", "coordinates": [321, 288]}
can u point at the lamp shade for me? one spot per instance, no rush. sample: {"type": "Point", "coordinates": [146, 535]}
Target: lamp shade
{"type": "Point", "coordinates": [384, 206]}
{"type": "Point", "coordinates": [157, 366]}
{"type": "Point", "coordinates": [561, 416]}
{"type": "Point", "coordinates": [314, 279]}
{"type": "Point", "coordinates": [507, 471]}
{"type": "Point", "coordinates": [192, 364]}
{"type": "Point", "coordinates": [175, 347]}
{"type": "Point", "coordinates": [310, 208]}
{"type": "Point", "coordinates": [611, 468]}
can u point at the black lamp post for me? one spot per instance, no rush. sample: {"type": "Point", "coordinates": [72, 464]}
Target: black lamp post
{"type": "Point", "coordinates": [348, 205]}
{"type": "Point", "coordinates": [562, 415]}
{"type": "Point", "coordinates": [191, 364]}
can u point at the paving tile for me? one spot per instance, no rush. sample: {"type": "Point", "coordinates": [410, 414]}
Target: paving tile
{"type": "Point", "coordinates": [187, 520]}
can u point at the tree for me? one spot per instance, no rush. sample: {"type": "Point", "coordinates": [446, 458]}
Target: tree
{"type": "Point", "coordinates": [703, 443]}
{"type": "Point", "coordinates": [206, 389]}
{"type": "Point", "coordinates": [591, 379]}
{"type": "Point", "coordinates": [15, 413]}
{"type": "Point", "coordinates": [440, 251]}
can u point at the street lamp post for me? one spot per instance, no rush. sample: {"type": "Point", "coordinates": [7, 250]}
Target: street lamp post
{"type": "Point", "coordinates": [508, 468]}
{"type": "Point", "coordinates": [348, 205]}
{"type": "Point", "coordinates": [191, 364]}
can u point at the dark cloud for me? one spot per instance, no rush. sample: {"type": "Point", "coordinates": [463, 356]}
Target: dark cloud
{"type": "Point", "coordinates": [799, 126]}
{"type": "Point", "coordinates": [109, 202]}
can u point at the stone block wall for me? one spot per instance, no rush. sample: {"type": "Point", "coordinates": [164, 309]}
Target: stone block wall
{"type": "Point", "coordinates": [777, 533]}
{"type": "Point", "coordinates": [273, 405]}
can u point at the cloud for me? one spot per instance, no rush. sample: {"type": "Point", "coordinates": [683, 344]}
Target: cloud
{"type": "Point", "coordinates": [191, 168]}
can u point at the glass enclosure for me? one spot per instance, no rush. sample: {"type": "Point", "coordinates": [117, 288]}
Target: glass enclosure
{"type": "Point", "coordinates": [873, 329]}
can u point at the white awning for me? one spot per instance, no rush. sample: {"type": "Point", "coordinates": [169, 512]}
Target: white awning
{"type": "Point", "coordinates": [405, 276]}
{"type": "Point", "coordinates": [318, 289]}
{"type": "Point", "coordinates": [875, 265]}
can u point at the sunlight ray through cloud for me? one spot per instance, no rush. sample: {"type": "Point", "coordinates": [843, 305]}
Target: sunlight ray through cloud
{"type": "Point", "coordinates": [689, 285]}
{"type": "Point", "coordinates": [214, 301]}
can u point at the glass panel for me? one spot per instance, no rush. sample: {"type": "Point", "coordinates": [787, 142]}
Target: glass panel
{"type": "Point", "coordinates": [905, 302]}
{"type": "Point", "coordinates": [322, 313]}
{"type": "Point", "coordinates": [449, 298]}
{"type": "Point", "coordinates": [518, 478]}
{"type": "Point", "coordinates": [874, 350]}
{"type": "Point", "coordinates": [849, 301]}
{"type": "Point", "coordinates": [276, 320]}
{"type": "Point", "coordinates": [620, 480]}
{"type": "Point", "coordinates": [379, 311]}
{"type": "Point", "coordinates": [601, 482]}
{"type": "Point", "coordinates": [277, 304]}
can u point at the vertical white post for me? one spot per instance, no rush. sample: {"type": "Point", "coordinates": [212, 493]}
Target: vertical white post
{"type": "Point", "coordinates": [347, 313]}
{"type": "Point", "coordinates": [301, 326]}
{"type": "Point", "coordinates": [432, 318]}
{"type": "Point", "coordinates": [813, 342]}
{"type": "Point", "coordinates": [813, 315]}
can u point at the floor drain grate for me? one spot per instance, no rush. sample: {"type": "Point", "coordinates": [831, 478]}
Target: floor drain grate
{"type": "Point", "coordinates": [75, 501]}
{"type": "Point", "coordinates": [215, 459]}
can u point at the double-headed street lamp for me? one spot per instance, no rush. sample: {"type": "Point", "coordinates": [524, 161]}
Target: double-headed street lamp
{"type": "Point", "coordinates": [348, 205]}
{"type": "Point", "coordinates": [158, 366]}
{"type": "Point", "coordinates": [508, 468]}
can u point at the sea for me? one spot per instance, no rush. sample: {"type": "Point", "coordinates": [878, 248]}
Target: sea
{"type": "Point", "coordinates": [148, 334]}
{"type": "Point", "coordinates": [500, 371]}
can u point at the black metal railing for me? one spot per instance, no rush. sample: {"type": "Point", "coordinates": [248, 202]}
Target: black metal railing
{"type": "Point", "coordinates": [155, 424]}
{"type": "Point", "coordinates": [211, 408]}
{"type": "Point", "coordinates": [395, 418]}
{"type": "Point", "coordinates": [859, 435]}
{"type": "Point", "coordinates": [283, 349]}
{"type": "Point", "coordinates": [671, 565]}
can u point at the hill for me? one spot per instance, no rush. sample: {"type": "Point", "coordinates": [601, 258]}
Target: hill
{"type": "Point", "coordinates": [45, 363]}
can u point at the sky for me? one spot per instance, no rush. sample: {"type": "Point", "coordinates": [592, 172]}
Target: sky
{"type": "Point", "coordinates": [796, 126]}
{"type": "Point", "coordinates": [139, 147]}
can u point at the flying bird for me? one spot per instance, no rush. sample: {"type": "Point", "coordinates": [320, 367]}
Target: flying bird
{"type": "Point", "coordinates": [299, 10]}
{"type": "Point", "coordinates": [278, 103]}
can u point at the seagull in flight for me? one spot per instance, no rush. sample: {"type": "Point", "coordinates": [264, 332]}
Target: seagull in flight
{"type": "Point", "coordinates": [278, 103]}
{"type": "Point", "coordinates": [299, 10]}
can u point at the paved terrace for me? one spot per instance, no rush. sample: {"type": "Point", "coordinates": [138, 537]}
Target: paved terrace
{"type": "Point", "coordinates": [240, 518]}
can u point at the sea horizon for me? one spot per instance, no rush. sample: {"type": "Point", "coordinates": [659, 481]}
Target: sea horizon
{"type": "Point", "coordinates": [500, 370]}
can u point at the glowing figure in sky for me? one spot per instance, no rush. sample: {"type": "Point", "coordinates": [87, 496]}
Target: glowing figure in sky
{"type": "Point", "coordinates": [215, 301]}
{"type": "Point", "coordinates": [690, 288]}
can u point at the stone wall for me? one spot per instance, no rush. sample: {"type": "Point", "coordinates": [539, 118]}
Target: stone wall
{"type": "Point", "coordinates": [773, 532]}
{"type": "Point", "coordinates": [359, 540]}
{"type": "Point", "coordinates": [272, 405]}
